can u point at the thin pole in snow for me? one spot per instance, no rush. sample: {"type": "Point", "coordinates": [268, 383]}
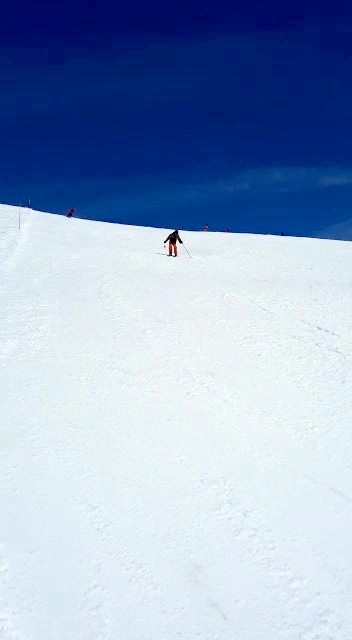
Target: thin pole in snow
{"type": "Point", "coordinates": [187, 250]}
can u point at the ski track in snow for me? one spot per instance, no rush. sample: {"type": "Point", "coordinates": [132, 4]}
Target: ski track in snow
{"type": "Point", "coordinates": [176, 447]}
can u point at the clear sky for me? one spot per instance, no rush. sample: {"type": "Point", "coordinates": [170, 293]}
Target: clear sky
{"type": "Point", "coordinates": [231, 114]}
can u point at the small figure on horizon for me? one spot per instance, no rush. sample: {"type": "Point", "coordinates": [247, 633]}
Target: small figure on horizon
{"type": "Point", "coordinates": [206, 227]}
{"type": "Point", "coordinates": [228, 230]}
{"type": "Point", "coordinates": [71, 213]}
{"type": "Point", "coordinates": [172, 240]}
{"type": "Point", "coordinates": [282, 233]}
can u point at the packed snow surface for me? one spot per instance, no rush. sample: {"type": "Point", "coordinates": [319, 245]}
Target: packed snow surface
{"type": "Point", "coordinates": [175, 434]}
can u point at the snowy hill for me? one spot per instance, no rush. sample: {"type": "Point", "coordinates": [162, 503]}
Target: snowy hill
{"type": "Point", "coordinates": [175, 435]}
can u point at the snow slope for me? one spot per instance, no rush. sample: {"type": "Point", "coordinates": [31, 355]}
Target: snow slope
{"type": "Point", "coordinates": [175, 441]}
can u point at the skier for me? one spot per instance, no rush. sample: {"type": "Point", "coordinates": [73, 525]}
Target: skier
{"type": "Point", "coordinates": [71, 213]}
{"type": "Point", "coordinates": [228, 230]}
{"type": "Point", "coordinates": [206, 227]}
{"type": "Point", "coordinates": [172, 240]}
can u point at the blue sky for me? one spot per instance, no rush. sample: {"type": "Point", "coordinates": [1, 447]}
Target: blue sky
{"type": "Point", "coordinates": [229, 114]}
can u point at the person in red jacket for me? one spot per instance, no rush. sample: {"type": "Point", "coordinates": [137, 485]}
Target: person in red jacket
{"type": "Point", "coordinates": [71, 213]}
{"type": "Point", "coordinates": [172, 240]}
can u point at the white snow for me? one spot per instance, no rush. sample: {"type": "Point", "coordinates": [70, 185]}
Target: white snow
{"type": "Point", "coordinates": [175, 434]}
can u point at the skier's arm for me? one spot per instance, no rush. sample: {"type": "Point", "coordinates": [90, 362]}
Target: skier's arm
{"type": "Point", "coordinates": [168, 238]}
{"type": "Point", "coordinates": [179, 239]}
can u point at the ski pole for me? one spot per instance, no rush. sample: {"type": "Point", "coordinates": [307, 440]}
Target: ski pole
{"type": "Point", "coordinates": [187, 250]}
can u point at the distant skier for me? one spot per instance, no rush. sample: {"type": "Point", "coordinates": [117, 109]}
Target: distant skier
{"type": "Point", "coordinates": [71, 213]}
{"type": "Point", "coordinates": [228, 230]}
{"type": "Point", "coordinates": [172, 240]}
{"type": "Point", "coordinates": [206, 227]}
{"type": "Point", "coordinates": [282, 233]}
